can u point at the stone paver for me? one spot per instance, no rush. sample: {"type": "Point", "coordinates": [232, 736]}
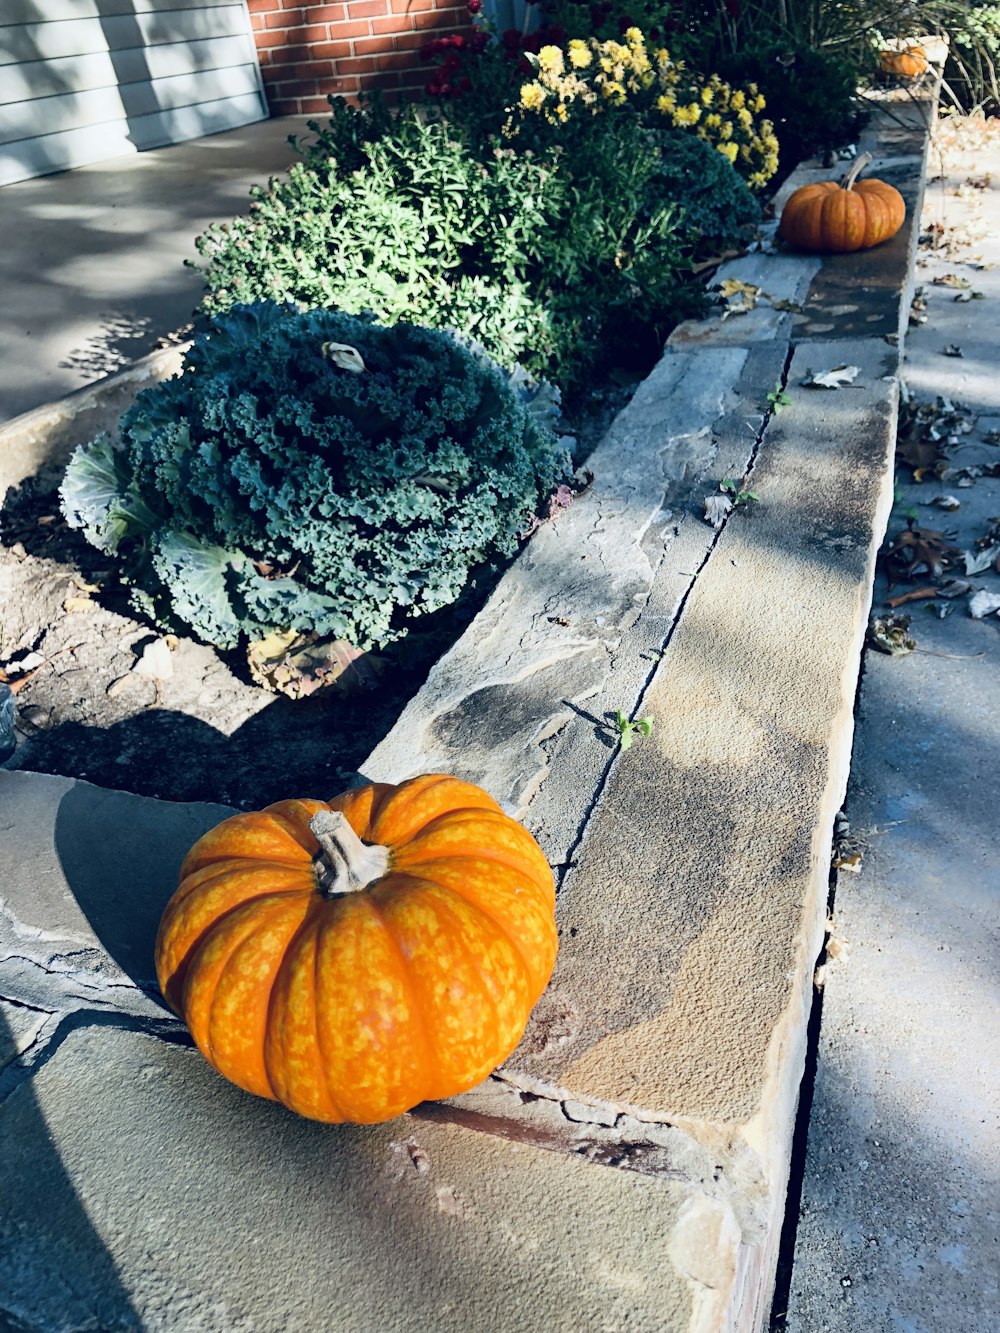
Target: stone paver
{"type": "Point", "coordinates": [901, 1199]}
{"type": "Point", "coordinates": [170, 1200]}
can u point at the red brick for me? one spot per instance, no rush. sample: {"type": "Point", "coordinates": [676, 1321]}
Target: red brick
{"type": "Point", "coordinates": [300, 87]}
{"type": "Point", "coordinates": [268, 41]}
{"type": "Point", "coordinates": [287, 18]}
{"type": "Point", "coordinates": [351, 29]}
{"type": "Point", "coordinates": [447, 20]}
{"type": "Point", "coordinates": [333, 50]}
{"type": "Point", "coordinates": [263, 6]}
{"type": "Point", "coordinates": [293, 4]}
{"type": "Point", "coordinates": [382, 81]}
{"type": "Point", "coordinates": [395, 23]}
{"type": "Point", "coordinates": [366, 66]}
{"type": "Point", "coordinates": [371, 46]}
{"type": "Point", "coordinates": [317, 32]}
{"type": "Point", "coordinates": [327, 13]}
{"type": "Point", "coordinates": [409, 41]}
{"type": "Point", "coordinates": [291, 55]}
{"type": "Point", "coordinates": [306, 69]}
{"type": "Point", "coordinates": [366, 9]}
{"type": "Point", "coordinates": [412, 6]}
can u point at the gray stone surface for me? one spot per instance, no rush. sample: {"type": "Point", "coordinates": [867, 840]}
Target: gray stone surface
{"type": "Point", "coordinates": [92, 269]}
{"type": "Point", "coordinates": [141, 1191]}
{"type": "Point", "coordinates": [901, 1197]}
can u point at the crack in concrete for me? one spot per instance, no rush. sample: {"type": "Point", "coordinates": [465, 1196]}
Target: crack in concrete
{"type": "Point", "coordinates": [50, 1037]}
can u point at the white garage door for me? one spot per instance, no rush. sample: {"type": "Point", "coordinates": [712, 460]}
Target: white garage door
{"type": "Point", "coordinates": [86, 80]}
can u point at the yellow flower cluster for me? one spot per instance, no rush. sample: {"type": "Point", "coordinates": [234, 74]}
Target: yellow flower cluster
{"type": "Point", "coordinates": [721, 115]}
{"type": "Point", "coordinates": [590, 74]}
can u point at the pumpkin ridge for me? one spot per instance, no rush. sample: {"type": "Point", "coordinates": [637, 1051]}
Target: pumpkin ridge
{"type": "Point", "coordinates": [476, 967]}
{"type": "Point", "coordinates": [324, 920]}
{"type": "Point", "coordinates": [303, 838]}
{"type": "Point", "coordinates": [177, 977]}
{"type": "Point", "coordinates": [474, 902]}
{"type": "Point", "coordinates": [404, 865]}
{"type": "Point", "coordinates": [223, 869]}
{"type": "Point", "coordinates": [260, 929]}
{"type": "Point", "coordinates": [429, 1056]}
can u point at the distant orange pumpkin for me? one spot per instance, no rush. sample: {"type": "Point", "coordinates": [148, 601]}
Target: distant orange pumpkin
{"type": "Point", "coordinates": [353, 958]}
{"type": "Point", "coordinates": [833, 216]}
{"type": "Point", "coordinates": [909, 63]}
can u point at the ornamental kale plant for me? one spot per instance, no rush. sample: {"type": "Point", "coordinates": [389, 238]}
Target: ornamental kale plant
{"type": "Point", "coordinates": [317, 472]}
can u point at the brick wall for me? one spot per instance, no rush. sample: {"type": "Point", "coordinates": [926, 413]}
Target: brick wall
{"type": "Point", "coordinates": [308, 51]}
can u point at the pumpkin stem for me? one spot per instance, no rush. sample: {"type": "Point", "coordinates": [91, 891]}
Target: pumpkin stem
{"type": "Point", "coordinates": [345, 864]}
{"type": "Point", "coordinates": [858, 167]}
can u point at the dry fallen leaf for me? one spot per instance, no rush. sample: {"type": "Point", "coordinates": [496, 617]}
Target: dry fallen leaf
{"type": "Point", "coordinates": [915, 595]}
{"type": "Point", "coordinates": [952, 349]}
{"type": "Point", "coordinates": [74, 605]}
{"type": "Point", "coordinates": [920, 551]}
{"type": "Point", "coordinates": [298, 665]}
{"type": "Point", "coordinates": [737, 297]}
{"type": "Point", "coordinates": [977, 562]}
{"type": "Point", "coordinates": [890, 634]}
{"type": "Point", "coordinates": [155, 662]}
{"type": "Point", "coordinates": [345, 356]}
{"type": "Point", "coordinates": [836, 378]}
{"type": "Point", "coordinates": [984, 604]}
{"type": "Point", "coordinates": [716, 509]}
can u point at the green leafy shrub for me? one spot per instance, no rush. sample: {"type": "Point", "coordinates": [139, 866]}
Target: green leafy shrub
{"type": "Point", "coordinates": [716, 204]}
{"type": "Point", "coordinates": [534, 253]}
{"type": "Point", "coordinates": [279, 483]}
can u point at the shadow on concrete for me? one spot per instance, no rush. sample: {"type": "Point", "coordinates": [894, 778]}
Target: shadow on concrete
{"type": "Point", "coordinates": [897, 1219]}
{"type": "Point", "coordinates": [121, 858]}
{"type": "Point", "coordinates": [40, 1251]}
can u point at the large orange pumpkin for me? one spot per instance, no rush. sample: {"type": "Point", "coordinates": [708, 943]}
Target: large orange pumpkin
{"type": "Point", "coordinates": [351, 959]}
{"type": "Point", "coordinates": [838, 217]}
{"type": "Point", "coordinates": [909, 63]}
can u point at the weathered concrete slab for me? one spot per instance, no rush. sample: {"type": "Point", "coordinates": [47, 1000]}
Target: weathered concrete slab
{"type": "Point", "coordinates": [898, 1223]}
{"type": "Point", "coordinates": [92, 266]}
{"type": "Point", "coordinates": [93, 869]}
{"type": "Point", "coordinates": [248, 1218]}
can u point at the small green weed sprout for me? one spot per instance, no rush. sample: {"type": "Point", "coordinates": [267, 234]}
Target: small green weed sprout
{"type": "Point", "coordinates": [628, 729]}
{"type": "Point", "coordinates": [778, 398]}
{"type": "Point", "coordinates": [738, 494]}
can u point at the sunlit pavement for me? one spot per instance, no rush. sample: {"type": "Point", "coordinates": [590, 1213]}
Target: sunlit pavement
{"type": "Point", "coordinates": [92, 262]}
{"type": "Point", "coordinates": [898, 1228]}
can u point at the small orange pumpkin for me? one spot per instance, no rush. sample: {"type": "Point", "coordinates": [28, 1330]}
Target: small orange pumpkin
{"type": "Point", "coordinates": [353, 958]}
{"type": "Point", "coordinates": [838, 217]}
{"type": "Point", "coordinates": [909, 63]}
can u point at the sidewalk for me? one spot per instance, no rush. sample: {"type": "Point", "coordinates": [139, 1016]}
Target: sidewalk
{"type": "Point", "coordinates": [92, 264]}
{"type": "Point", "coordinates": [898, 1226]}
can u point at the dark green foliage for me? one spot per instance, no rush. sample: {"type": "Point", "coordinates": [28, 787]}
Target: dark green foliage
{"type": "Point", "coordinates": [536, 254]}
{"type": "Point", "coordinates": [268, 487]}
{"type": "Point", "coordinates": [715, 202]}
